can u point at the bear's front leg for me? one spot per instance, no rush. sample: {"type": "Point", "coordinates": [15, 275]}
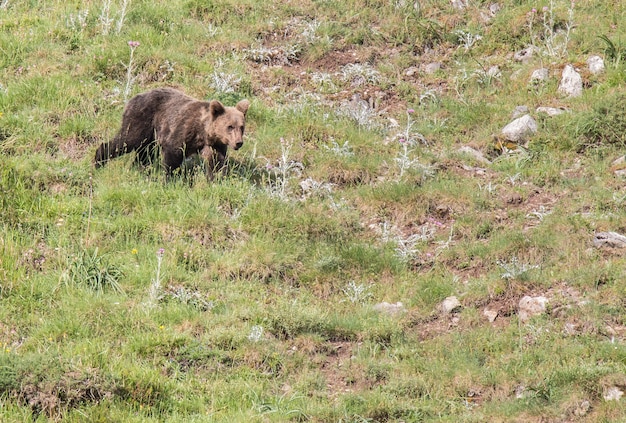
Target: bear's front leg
{"type": "Point", "coordinates": [214, 161]}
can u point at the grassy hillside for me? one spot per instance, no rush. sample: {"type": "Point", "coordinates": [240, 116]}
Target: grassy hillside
{"type": "Point", "coordinates": [374, 172]}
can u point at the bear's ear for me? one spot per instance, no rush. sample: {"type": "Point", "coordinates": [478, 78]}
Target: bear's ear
{"type": "Point", "coordinates": [216, 108]}
{"type": "Point", "coordinates": [242, 106]}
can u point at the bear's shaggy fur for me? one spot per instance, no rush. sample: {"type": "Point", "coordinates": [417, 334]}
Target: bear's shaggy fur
{"type": "Point", "coordinates": [180, 126]}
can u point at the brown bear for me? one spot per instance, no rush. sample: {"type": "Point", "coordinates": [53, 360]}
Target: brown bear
{"type": "Point", "coordinates": [180, 126]}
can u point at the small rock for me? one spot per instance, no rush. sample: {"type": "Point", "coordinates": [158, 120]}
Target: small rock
{"type": "Point", "coordinates": [520, 111]}
{"type": "Point", "coordinates": [539, 75]}
{"type": "Point", "coordinates": [494, 8]}
{"type": "Point", "coordinates": [491, 315]}
{"type": "Point", "coordinates": [596, 65]}
{"type": "Point", "coordinates": [620, 172]}
{"type": "Point", "coordinates": [609, 239]}
{"type": "Point", "coordinates": [450, 304]}
{"type": "Point", "coordinates": [520, 129]}
{"type": "Point", "coordinates": [571, 82]}
{"type": "Point", "coordinates": [531, 306]}
{"type": "Point", "coordinates": [432, 68]}
{"type": "Point", "coordinates": [390, 309]}
{"type": "Point", "coordinates": [570, 329]}
{"type": "Point", "coordinates": [475, 154]}
{"type": "Point", "coordinates": [524, 55]}
{"type": "Point", "coordinates": [613, 393]}
{"type": "Point", "coordinates": [550, 111]}
{"type": "Point", "coordinates": [412, 71]}
{"type": "Point", "coordinates": [459, 4]}
{"type": "Point", "coordinates": [582, 409]}
{"type": "Point", "coordinates": [494, 72]}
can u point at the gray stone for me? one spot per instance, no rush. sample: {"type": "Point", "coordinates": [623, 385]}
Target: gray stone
{"type": "Point", "coordinates": [491, 315]}
{"type": "Point", "coordinates": [612, 393]}
{"type": "Point", "coordinates": [431, 68]}
{"type": "Point", "coordinates": [609, 239]}
{"type": "Point", "coordinates": [475, 154]}
{"type": "Point", "coordinates": [520, 129]}
{"type": "Point", "coordinates": [551, 111]}
{"type": "Point", "coordinates": [539, 75]}
{"type": "Point", "coordinates": [450, 304]}
{"type": "Point", "coordinates": [524, 55]}
{"type": "Point", "coordinates": [571, 82]}
{"type": "Point", "coordinates": [412, 71]}
{"type": "Point", "coordinates": [520, 111]}
{"type": "Point", "coordinates": [390, 308]}
{"type": "Point", "coordinates": [531, 306]}
{"type": "Point", "coordinates": [459, 4]}
{"type": "Point", "coordinates": [596, 65]}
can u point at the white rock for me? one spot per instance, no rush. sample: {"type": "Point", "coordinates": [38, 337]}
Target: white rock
{"type": "Point", "coordinates": [390, 308]}
{"type": "Point", "coordinates": [411, 71]}
{"type": "Point", "coordinates": [613, 394]}
{"type": "Point", "coordinates": [520, 111]}
{"type": "Point", "coordinates": [494, 8]}
{"type": "Point", "coordinates": [582, 409]}
{"type": "Point", "coordinates": [520, 129]}
{"type": "Point", "coordinates": [571, 82]}
{"type": "Point", "coordinates": [432, 68]}
{"type": "Point", "coordinates": [494, 72]}
{"type": "Point", "coordinates": [609, 239]}
{"type": "Point", "coordinates": [550, 111]}
{"type": "Point", "coordinates": [459, 4]}
{"type": "Point", "coordinates": [596, 65]}
{"type": "Point", "coordinates": [531, 306]}
{"type": "Point", "coordinates": [491, 315]}
{"type": "Point", "coordinates": [450, 304]}
{"type": "Point", "coordinates": [539, 75]}
{"type": "Point", "coordinates": [524, 55]}
{"type": "Point", "coordinates": [475, 154]}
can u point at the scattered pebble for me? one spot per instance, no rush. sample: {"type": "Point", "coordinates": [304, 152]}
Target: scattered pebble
{"type": "Point", "coordinates": [531, 306]}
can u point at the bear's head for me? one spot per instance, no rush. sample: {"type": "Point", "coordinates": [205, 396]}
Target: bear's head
{"type": "Point", "coordinates": [227, 124]}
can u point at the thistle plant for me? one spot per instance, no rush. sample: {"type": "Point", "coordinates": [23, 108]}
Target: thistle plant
{"type": "Point", "coordinates": [154, 294]}
{"type": "Point", "coordinates": [283, 171]}
{"type": "Point", "coordinates": [357, 293]}
{"type": "Point", "coordinates": [339, 150]}
{"type": "Point", "coordinates": [408, 139]}
{"type": "Point", "coordinates": [360, 74]}
{"type": "Point", "coordinates": [130, 79]}
{"type": "Point", "coordinates": [256, 333]}
{"type": "Point", "coordinates": [467, 39]}
{"type": "Point", "coordinates": [105, 19]}
{"type": "Point", "coordinates": [543, 27]}
{"type": "Point", "coordinates": [122, 16]}
{"type": "Point", "coordinates": [513, 269]}
{"type": "Point", "coordinates": [77, 22]}
{"type": "Point", "coordinates": [224, 82]}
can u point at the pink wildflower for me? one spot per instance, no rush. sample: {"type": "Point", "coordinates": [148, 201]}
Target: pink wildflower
{"type": "Point", "coordinates": [133, 44]}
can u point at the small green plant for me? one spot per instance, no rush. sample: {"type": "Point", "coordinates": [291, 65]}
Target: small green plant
{"type": "Point", "coordinates": [93, 271]}
{"type": "Point", "coordinates": [612, 51]}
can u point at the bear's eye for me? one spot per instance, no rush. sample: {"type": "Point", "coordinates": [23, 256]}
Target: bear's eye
{"type": "Point", "coordinates": [230, 128]}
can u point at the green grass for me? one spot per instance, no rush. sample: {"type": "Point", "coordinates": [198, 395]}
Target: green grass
{"type": "Point", "coordinates": [128, 297]}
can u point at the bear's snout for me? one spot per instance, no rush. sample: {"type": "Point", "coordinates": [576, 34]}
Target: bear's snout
{"type": "Point", "coordinates": [238, 145]}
